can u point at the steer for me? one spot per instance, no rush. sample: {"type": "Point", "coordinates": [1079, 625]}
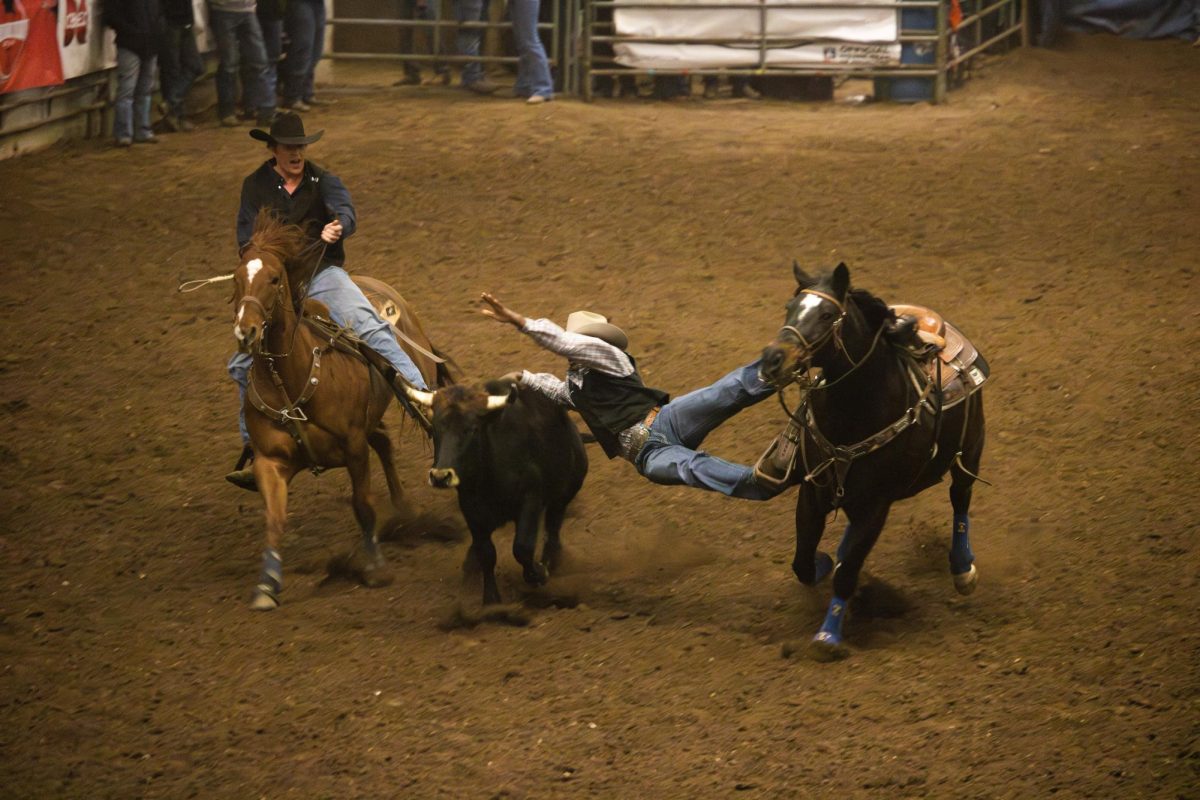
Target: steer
{"type": "Point", "coordinates": [511, 453]}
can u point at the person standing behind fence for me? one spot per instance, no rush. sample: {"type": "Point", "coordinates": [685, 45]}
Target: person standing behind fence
{"type": "Point", "coordinates": [239, 38]}
{"type": "Point", "coordinates": [270, 20]}
{"type": "Point", "coordinates": [468, 43]}
{"type": "Point", "coordinates": [533, 69]}
{"type": "Point", "coordinates": [139, 27]}
{"type": "Point", "coordinates": [305, 24]}
{"type": "Point", "coordinates": [179, 62]}
{"type": "Point", "coordinates": [426, 10]}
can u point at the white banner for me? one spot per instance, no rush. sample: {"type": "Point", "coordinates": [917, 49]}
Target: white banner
{"type": "Point", "coordinates": [843, 24]}
{"type": "Point", "coordinates": [699, 56]}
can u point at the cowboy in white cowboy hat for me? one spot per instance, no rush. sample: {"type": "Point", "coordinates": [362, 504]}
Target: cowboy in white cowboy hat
{"type": "Point", "coordinates": [301, 193]}
{"type": "Point", "coordinates": [659, 436]}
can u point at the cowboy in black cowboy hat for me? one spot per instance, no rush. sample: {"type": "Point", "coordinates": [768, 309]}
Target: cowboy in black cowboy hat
{"type": "Point", "coordinates": [300, 193]}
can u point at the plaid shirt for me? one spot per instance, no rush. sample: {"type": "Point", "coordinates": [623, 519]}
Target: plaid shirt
{"type": "Point", "coordinates": [582, 352]}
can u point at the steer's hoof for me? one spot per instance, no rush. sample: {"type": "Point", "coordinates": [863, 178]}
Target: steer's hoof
{"type": "Point", "coordinates": [826, 647]}
{"type": "Point", "coordinates": [965, 583]}
{"type": "Point", "coordinates": [264, 601]}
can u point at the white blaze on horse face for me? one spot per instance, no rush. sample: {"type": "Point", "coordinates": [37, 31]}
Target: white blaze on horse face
{"type": "Point", "coordinates": [252, 268]}
{"type": "Point", "coordinates": [810, 303]}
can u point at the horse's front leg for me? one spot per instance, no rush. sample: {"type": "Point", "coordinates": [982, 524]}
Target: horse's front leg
{"type": "Point", "coordinates": [272, 477]}
{"type": "Point", "coordinates": [962, 482]}
{"type": "Point", "coordinates": [810, 566]}
{"type": "Point", "coordinates": [866, 522]}
{"type": "Point", "coordinates": [372, 571]}
{"type": "Point", "coordinates": [381, 443]}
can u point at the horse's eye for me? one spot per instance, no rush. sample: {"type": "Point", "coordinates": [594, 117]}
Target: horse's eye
{"type": "Point", "coordinates": [275, 280]}
{"type": "Point", "coordinates": [826, 315]}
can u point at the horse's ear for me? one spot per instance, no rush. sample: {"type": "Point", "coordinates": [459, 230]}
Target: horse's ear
{"type": "Point", "coordinates": [841, 281]}
{"type": "Point", "coordinates": [802, 278]}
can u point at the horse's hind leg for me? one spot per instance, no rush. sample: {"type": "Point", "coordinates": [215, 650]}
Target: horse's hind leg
{"type": "Point", "coordinates": [962, 482]}
{"type": "Point", "coordinates": [358, 465]}
{"type": "Point", "coordinates": [272, 478]}
{"type": "Point", "coordinates": [381, 443]}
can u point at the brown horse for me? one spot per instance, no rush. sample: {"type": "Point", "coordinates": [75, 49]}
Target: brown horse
{"type": "Point", "coordinates": [313, 402]}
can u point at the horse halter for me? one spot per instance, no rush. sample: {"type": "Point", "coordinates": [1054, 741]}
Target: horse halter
{"type": "Point", "coordinates": [834, 330]}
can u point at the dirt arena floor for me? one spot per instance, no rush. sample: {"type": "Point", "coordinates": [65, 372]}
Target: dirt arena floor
{"type": "Point", "coordinates": [1050, 209]}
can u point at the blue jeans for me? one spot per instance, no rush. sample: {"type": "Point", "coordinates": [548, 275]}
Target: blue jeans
{"type": "Point", "coordinates": [306, 43]}
{"type": "Point", "coordinates": [670, 457]}
{"type": "Point", "coordinates": [350, 308]}
{"type": "Point", "coordinates": [469, 39]}
{"type": "Point", "coordinates": [272, 31]}
{"type": "Point", "coordinates": [179, 65]}
{"type": "Point", "coordinates": [533, 70]}
{"type": "Point", "coordinates": [135, 89]}
{"type": "Point", "coordinates": [239, 39]}
{"type": "Point", "coordinates": [410, 39]}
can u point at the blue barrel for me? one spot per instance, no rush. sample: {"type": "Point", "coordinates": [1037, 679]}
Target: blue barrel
{"type": "Point", "coordinates": [912, 90]}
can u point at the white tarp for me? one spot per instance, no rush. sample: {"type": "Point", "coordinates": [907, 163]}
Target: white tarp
{"type": "Point", "coordinates": [845, 35]}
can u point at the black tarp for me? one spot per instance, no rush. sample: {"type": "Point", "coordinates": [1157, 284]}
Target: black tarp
{"type": "Point", "coordinates": [1140, 19]}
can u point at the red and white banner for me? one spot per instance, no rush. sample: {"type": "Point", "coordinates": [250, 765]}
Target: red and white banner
{"type": "Point", "coordinates": [86, 45]}
{"type": "Point", "coordinates": [29, 54]}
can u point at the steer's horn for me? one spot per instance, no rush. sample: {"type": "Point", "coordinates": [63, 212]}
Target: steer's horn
{"type": "Point", "coordinates": [497, 401]}
{"type": "Point", "coordinates": [419, 397]}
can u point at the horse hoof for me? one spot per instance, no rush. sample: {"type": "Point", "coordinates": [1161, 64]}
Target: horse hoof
{"type": "Point", "coordinates": [824, 566]}
{"type": "Point", "coordinates": [263, 602]}
{"type": "Point", "coordinates": [826, 647]}
{"type": "Point", "coordinates": [965, 583]}
{"type": "Point", "coordinates": [377, 577]}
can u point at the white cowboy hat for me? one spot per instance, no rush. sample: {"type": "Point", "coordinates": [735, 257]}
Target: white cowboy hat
{"type": "Point", "coordinates": [588, 323]}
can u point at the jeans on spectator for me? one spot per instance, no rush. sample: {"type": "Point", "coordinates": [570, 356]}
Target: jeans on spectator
{"type": "Point", "coordinates": [239, 39]}
{"type": "Point", "coordinates": [409, 37]}
{"type": "Point", "coordinates": [135, 88]}
{"type": "Point", "coordinates": [348, 307]}
{"type": "Point", "coordinates": [306, 43]}
{"type": "Point", "coordinates": [533, 70]}
{"type": "Point", "coordinates": [272, 31]}
{"type": "Point", "coordinates": [469, 40]}
{"type": "Point", "coordinates": [179, 65]}
{"type": "Point", "coordinates": [670, 457]}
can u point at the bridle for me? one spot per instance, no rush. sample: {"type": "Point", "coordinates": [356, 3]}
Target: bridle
{"type": "Point", "coordinates": [268, 314]}
{"type": "Point", "coordinates": [810, 349]}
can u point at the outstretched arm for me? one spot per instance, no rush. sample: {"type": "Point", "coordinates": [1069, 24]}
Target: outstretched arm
{"type": "Point", "coordinates": [582, 351]}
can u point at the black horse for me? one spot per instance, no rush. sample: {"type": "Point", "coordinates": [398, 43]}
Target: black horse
{"type": "Point", "coordinates": [874, 426]}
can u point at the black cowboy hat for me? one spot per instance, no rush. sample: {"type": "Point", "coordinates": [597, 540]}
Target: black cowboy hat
{"type": "Point", "coordinates": [287, 128]}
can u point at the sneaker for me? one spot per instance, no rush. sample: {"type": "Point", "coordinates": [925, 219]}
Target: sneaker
{"type": "Point", "coordinates": [317, 101]}
{"type": "Point", "coordinates": [151, 139]}
{"type": "Point", "coordinates": [481, 86]}
{"type": "Point", "coordinates": [124, 141]}
{"type": "Point", "coordinates": [748, 92]}
{"type": "Point", "coordinates": [537, 99]}
{"type": "Point", "coordinates": [229, 121]}
{"type": "Point", "coordinates": [297, 105]}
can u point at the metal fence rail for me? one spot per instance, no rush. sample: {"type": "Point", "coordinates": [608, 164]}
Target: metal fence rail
{"type": "Point", "coordinates": [1001, 20]}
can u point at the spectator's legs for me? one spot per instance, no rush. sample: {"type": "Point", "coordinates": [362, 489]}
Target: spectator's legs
{"type": "Point", "coordinates": [299, 23]}
{"type": "Point", "coordinates": [224, 30]}
{"type": "Point", "coordinates": [432, 10]}
{"type": "Point", "coordinates": [318, 47]}
{"type": "Point", "coordinates": [272, 34]}
{"type": "Point", "coordinates": [469, 39]}
{"type": "Point", "coordinates": [254, 53]}
{"type": "Point", "coordinates": [533, 69]}
{"type": "Point", "coordinates": [143, 98]}
{"type": "Point", "coordinates": [128, 65]}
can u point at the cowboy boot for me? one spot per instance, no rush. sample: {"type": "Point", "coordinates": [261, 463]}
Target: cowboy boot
{"type": "Point", "coordinates": [243, 474]}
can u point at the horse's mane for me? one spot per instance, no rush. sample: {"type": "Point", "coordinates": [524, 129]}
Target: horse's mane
{"type": "Point", "coordinates": [875, 312]}
{"type": "Point", "coordinates": [286, 243]}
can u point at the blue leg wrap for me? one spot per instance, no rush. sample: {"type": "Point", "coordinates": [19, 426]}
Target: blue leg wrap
{"type": "Point", "coordinates": [271, 580]}
{"type": "Point", "coordinates": [961, 557]}
{"type": "Point", "coordinates": [831, 629]}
